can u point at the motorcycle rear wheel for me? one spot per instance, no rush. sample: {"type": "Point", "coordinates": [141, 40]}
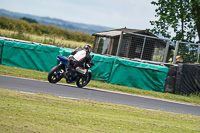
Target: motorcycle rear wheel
{"type": "Point", "coordinates": [56, 74]}
{"type": "Point", "coordinates": [83, 80]}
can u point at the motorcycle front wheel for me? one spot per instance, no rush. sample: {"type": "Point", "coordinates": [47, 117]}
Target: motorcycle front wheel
{"type": "Point", "coordinates": [83, 80]}
{"type": "Point", "coordinates": [56, 74]}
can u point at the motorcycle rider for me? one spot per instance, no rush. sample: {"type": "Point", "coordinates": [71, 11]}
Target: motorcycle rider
{"type": "Point", "coordinates": [79, 57]}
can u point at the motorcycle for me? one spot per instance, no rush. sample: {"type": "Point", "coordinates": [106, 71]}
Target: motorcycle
{"type": "Point", "coordinates": [65, 70]}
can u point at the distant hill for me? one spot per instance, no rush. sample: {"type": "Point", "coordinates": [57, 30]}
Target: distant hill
{"type": "Point", "coordinates": [87, 28]}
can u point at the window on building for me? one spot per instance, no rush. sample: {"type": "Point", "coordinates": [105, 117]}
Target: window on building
{"type": "Point", "coordinates": [103, 44]}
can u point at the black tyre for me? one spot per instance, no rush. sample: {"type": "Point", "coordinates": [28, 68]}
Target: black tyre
{"type": "Point", "coordinates": [83, 80]}
{"type": "Point", "coordinates": [56, 74]}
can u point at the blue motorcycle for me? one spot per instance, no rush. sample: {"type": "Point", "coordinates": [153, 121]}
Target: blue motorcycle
{"type": "Point", "coordinates": [65, 70]}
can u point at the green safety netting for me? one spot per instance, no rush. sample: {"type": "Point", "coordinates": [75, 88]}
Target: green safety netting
{"type": "Point", "coordinates": [1, 48]}
{"type": "Point", "coordinates": [102, 68]}
{"type": "Point", "coordinates": [29, 56]}
{"type": "Point", "coordinates": [139, 75]}
{"type": "Point", "coordinates": [65, 51]}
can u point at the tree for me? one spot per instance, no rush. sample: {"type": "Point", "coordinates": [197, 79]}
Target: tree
{"type": "Point", "coordinates": [29, 20]}
{"type": "Point", "coordinates": [180, 16]}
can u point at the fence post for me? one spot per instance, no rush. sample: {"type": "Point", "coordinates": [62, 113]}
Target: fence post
{"type": "Point", "coordinates": [143, 47]}
{"type": "Point", "coordinates": [175, 52]}
{"type": "Point", "coordinates": [166, 51]}
{"type": "Point", "coordinates": [120, 43]}
{"type": "Point", "coordinates": [198, 54]}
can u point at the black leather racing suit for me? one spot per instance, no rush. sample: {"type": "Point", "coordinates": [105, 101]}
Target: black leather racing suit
{"type": "Point", "coordinates": [78, 58]}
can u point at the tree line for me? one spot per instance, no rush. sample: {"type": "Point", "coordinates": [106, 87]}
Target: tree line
{"type": "Point", "coordinates": [40, 29]}
{"type": "Point", "coordinates": [29, 20]}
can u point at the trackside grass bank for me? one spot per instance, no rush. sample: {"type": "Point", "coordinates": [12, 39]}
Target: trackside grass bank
{"type": "Point", "coordinates": [25, 73]}
{"type": "Point", "coordinates": [45, 39]}
{"type": "Point", "coordinates": [22, 112]}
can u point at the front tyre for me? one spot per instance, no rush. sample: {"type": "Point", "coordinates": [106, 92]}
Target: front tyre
{"type": "Point", "coordinates": [83, 80]}
{"type": "Point", "coordinates": [56, 74]}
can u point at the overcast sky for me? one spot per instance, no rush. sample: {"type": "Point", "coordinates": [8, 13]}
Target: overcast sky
{"type": "Point", "coordinates": [134, 14]}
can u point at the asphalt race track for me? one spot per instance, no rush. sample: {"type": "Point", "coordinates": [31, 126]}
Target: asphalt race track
{"type": "Point", "coordinates": [73, 92]}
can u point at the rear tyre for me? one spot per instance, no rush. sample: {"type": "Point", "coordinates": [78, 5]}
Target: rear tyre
{"type": "Point", "coordinates": [56, 73]}
{"type": "Point", "coordinates": [83, 80]}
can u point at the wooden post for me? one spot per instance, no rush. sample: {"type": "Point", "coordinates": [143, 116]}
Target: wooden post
{"type": "Point", "coordinates": [120, 43]}
{"type": "Point", "coordinates": [95, 45]}
{"type": "Point", "coordinates": [166, 51]}
{"type": "Point", "coordinates": [143, 47]}
{"type": "Point", "coordinates": [175, 52]}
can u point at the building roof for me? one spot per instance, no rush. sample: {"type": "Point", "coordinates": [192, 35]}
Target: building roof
{"type": "Point", "coordinates": [108, 33]}
{"type": "Point", "coordinates": [117, 32]}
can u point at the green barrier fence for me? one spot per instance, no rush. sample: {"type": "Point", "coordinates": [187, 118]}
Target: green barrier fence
{"type": "Point", "coordinates": [113, 70]}
{"type": "Point", "coordinates": [29, 56]}
{"type": "Point", "coordinates": [139, 75]}
{"type": "Point", "coordinates": [65, 51]}
{"type": "Point", "coordinates": [102, 68]}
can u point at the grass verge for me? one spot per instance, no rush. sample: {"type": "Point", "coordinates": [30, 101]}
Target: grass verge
{"type": "Point", "coordinates": [21, 112]}
{"type": "Point", "coordinates": [19, 72]}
